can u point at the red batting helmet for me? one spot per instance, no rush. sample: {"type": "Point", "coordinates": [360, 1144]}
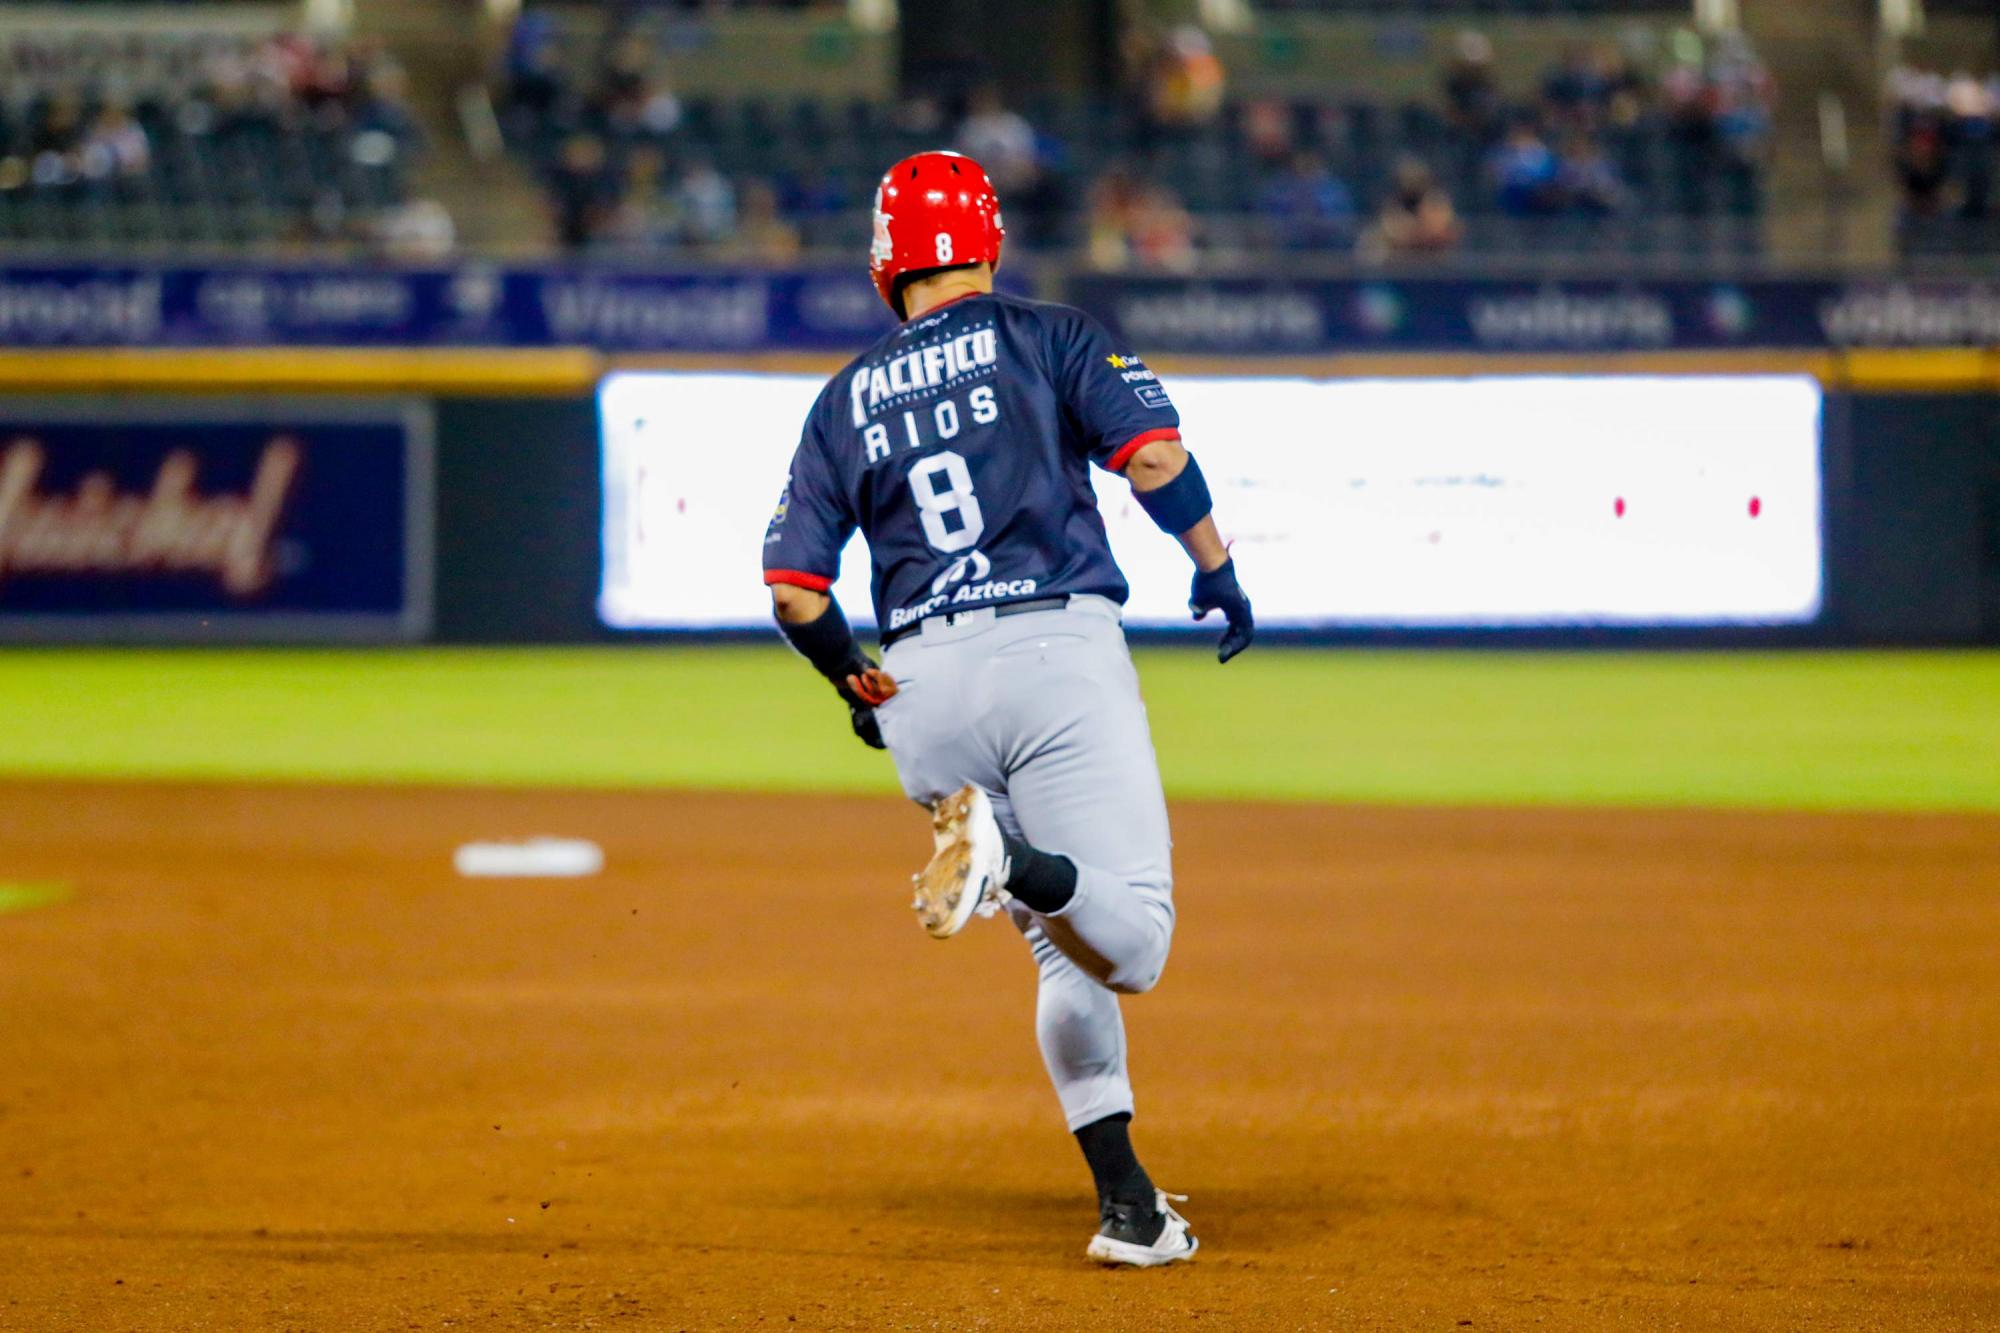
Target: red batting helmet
{"type": "Point", "coordinates": [932, 211]}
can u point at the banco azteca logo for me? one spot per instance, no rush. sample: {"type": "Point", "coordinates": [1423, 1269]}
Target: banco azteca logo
{"type": "Point", "coordinates": [972, 564]}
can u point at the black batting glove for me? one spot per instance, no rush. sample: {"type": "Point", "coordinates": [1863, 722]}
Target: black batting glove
{"type": "Point", "coordinates": [862, 718]}
{"type": "Point", "coordinates": [861, 703]}
{"type": "Point", "coordinates": [1217, 590]}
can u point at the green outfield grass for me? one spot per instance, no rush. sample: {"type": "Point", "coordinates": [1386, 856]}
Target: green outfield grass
{"type": "Point", "coordinates": [1835, 730]}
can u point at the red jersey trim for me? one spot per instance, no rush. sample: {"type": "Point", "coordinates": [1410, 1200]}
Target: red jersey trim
{"type": "Point", "coordinates": [798, 579]}
{"type": "Point", "coordinates": [1117, 461]}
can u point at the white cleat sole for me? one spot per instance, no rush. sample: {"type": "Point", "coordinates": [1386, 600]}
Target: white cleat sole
{"type": "Point", "coordinates": [1175, 1244]}
{"type": "Point", "coordinates": [968, 867]}
{"type": "Point", "coordinates": [1108, 1251]}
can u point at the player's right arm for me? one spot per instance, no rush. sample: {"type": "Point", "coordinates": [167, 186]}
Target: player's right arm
{"type": "Point", "coordinates": [1160, 463]}
{"type": "Point", "coordinates": [801, 557]}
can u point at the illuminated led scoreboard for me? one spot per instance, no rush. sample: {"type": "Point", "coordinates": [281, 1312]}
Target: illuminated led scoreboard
{"type": "Point", "coordinates": [1501, 501]}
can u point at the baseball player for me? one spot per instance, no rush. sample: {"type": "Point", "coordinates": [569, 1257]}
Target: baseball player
{"type": "Point", "coordinates": [959, 445]}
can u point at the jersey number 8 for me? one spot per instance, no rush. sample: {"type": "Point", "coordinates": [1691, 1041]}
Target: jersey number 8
{"type": "Point", "coordinates": [944, 247]}
{"type": "Point", "coordinates": [957, 497]}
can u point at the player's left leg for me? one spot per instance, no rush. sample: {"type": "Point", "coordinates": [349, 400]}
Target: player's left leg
{"type": "Point", "coordinates": [1089, 843]}
{"type": "Point", "coordinates": [1085, 823]}
{"type": "Point", "coordinates": [1081, 1033]}
{"type": "Point", "coordinates": [1082, 1037]}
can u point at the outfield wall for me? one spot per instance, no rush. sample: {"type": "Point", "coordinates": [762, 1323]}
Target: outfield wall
{"type": "Point", "coordinates": [458, 496]}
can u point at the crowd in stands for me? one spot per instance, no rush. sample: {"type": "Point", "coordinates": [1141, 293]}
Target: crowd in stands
{"type": "Point", "coordinates": [291, 138]}
{"type": "Point", "coordinates": [1945, 135]}
{"type": "Point", "coordinates": [209, 139]}
{"type": "Point", "coordinates": [1174, 170]}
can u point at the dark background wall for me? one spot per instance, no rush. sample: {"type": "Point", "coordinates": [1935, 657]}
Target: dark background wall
{"type": "Point", "coordinates": [950, 46]}
{"type": "Point", "coordinates": [1912, 511]}
{"type": "Point", "coordinates": [1914, 485]}
{"type": "Point", "coordinates": [519, 504]}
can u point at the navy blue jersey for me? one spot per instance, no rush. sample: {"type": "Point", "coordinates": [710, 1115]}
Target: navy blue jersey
{"type": "Point", "coordinates": [960, 446]}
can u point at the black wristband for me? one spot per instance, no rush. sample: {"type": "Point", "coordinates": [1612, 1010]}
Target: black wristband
{"type": "Point", "coordinates": [827, 643]}
{"type": "Point", "coordinates": [1181, 503]}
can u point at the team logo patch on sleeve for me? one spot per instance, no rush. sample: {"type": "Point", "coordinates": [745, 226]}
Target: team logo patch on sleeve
{"type": "Point", "coordinates": [773, 533]}
{"type": "Point", "coordinates": [1132, 369]}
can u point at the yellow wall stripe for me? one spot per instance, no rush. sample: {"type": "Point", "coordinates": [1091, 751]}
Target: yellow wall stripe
{"type": "Point", "coordinates": [497, 372]}
{"type": "Point", "coordinates": [574, 371]}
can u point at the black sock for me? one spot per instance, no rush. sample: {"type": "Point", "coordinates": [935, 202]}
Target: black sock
{"type": "Point", "coordinates": [1107, 1146]}
{"type": "Point", "coordinates": [1043, 881]}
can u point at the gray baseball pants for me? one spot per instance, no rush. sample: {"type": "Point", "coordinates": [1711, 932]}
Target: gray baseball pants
{"type": "Point", "coordinates": [1042, 710]}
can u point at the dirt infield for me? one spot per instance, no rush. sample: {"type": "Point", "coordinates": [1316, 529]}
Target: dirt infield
{"type": "Point", "coordinates": [273, 1066]}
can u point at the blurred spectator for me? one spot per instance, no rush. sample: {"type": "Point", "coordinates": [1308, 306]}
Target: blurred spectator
{"type": "Point", "coordinates": [1005, 144]}
{"type": "Point", "coordinates": [1471, 93]}
{"type": "Point", "coordinates": [1923, 171]}
{"type": "Point", "coordinates": [116, 148]}
{"type": "Point", "coordinates": [1307, 207]}
{"type": "Point", "coordinates": [762, 235]}
{"type": "Point", "coordinates": [53, 147]}
{"type": "Point", "coordinates": [1741, 97]}
{"type": "Point", "coordinates": [638, 220]}
{"type": "Point", "coordinates": [1973, 107]}
{"type": "Point", "coordinates": [705, 203]}
{"type": "Point", "coordinates": [535, 86]}
{"type": "Point", "coordinates": [1943, 139]}
{"type": "Point", "coordinates": [623, 73]}
{"type": "Point", "coordinates": [580, 191]}
{"type": "Point", "coordinates": [1108, 232]}
{"type": "Point", "coordinates": [919, 116]}
{"type": "Point", "coordinates": [1000, 140]}
{"type": "Point", "coordinates": [1162, 232]}
{"type": "Point", "coordinates": [381, 104]}
{"type": "Point", "coordinates": [1718, 96]}
{"type": "Point", "coordinates": [1417, 218]}
{"type": "Point", "coordinates": [322, 79]}
{"type": "Point", "coordinates": [1268, 131]}
{"type": "Point", "coordinates": [1525, 173]}
{"type": "Point", "coordinates": [1592, 88]}
{"type": "Point", "coordinates": [1184, 80]}
{"type": "Point", "coordinates": [1587, 179]}
{"type": "Point", "coordinates": [1138, 225]}
{"type": "Point", "coordinates": [418, 232]}
{"type": "Point", "coordinates": [629, 101]}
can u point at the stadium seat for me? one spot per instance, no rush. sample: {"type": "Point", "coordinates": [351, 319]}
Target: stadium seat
{"type": "Point", "coordinates": [212, 175]}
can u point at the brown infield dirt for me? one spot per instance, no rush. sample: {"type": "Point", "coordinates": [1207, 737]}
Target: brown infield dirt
{"type": "Point", "coordinates": [275, 1067]}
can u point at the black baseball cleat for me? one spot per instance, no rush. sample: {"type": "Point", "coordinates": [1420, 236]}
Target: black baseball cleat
{"type": "Point", "coordinates": [1143, 1237]}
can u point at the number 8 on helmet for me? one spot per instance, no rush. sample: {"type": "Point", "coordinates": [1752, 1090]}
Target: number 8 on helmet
{"type": "Point", "coordinates": [934, 210]}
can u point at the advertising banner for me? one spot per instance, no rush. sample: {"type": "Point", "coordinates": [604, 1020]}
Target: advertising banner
{"type": "Point", "coordinates": [471, 305]}
{"type": "Point", "coordinates": [1513, 502]}
{"type": "Point", "coordinates": [835, 309]}
{"type": "Point", "coordinates": [182, 521]}
{"type": "Point", "coordinates": [1495, 315]}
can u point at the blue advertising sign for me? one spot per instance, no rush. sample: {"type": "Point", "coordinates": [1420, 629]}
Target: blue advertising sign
{"type": "Point", "coordinates": [1425, 315]}
{"type": "Point", "coordinates": [175, 520]}
{"type": "Point", "coordinates": [1498, 315]}
{"type": "Point", "coordinates": [472, 305]}
{"type": "Point", "coordinates": [836, 309]}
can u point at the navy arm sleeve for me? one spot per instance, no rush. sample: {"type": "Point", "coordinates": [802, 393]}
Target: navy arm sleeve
{"type": "Point", "coordinates": [812, 522]}
{"type": "Point", "coordinates": [1119, 404]}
